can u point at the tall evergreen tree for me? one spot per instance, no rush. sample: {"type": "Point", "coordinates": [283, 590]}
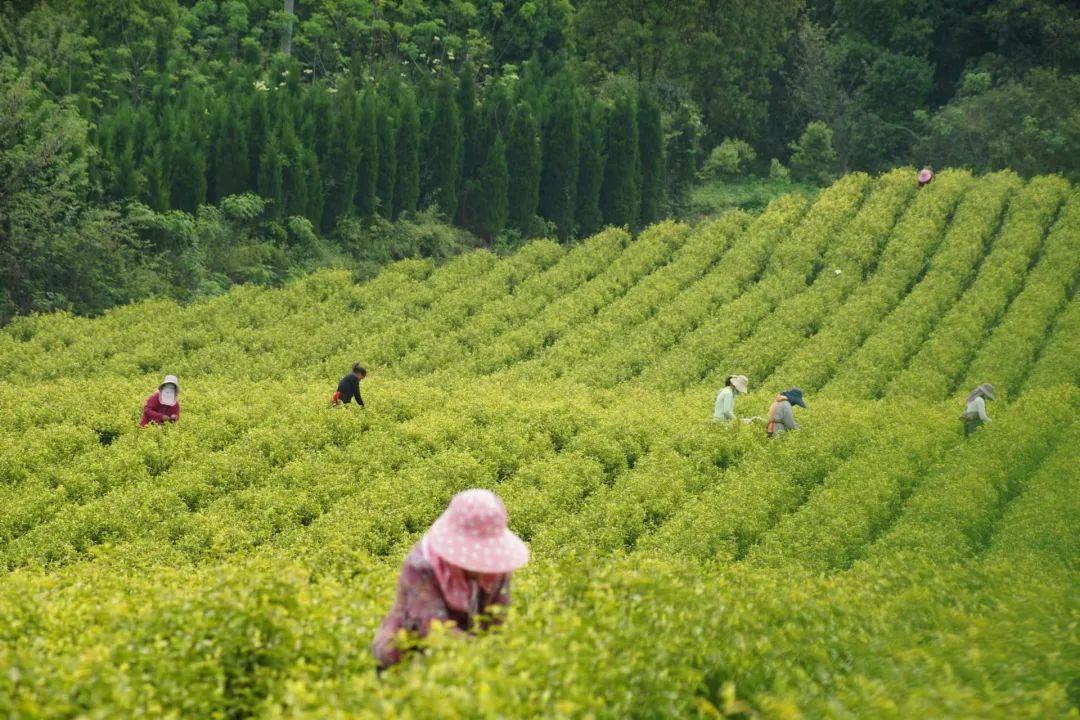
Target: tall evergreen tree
{"type": "Point", "coordinates": [620, 198]}
{"type": "Point", "coordinates": [444, 150]}
{"type": "Point", "coordinates": [155, 190]}
{"type": "Point", "coordinates": [188, 188]}
{"type": "Point", "coordinates": [493, 204]}
{"type": "Point", "coordinates": [295, 182]}
{"type": "Point", "coordinates": [592, 160]}
{"type": "Point", "coordinates": [558, 183]}
{"type": "Point", "coordinates": [367, 175]}
{"type": "Point", "coordinates": [387, 158]}
{"type": "Point", "coordinates": [651, 147]}
{"type": "Point", "coordinates": [523, 155]}
{"type": "Point", "coordinates": [231, 174]}
{"type": "Point", "coordinates": [407, 181]}
{"type": "Point", "coordinates": [316, 198]}
{"type": "Point", "coordinates": [271, 183]}
{"type": "Point", "coordinates": [473, 147]}
{"type": "Point", "coordinates": [339, 175]}
{"type": "Point", "coordinates": [258, 127]}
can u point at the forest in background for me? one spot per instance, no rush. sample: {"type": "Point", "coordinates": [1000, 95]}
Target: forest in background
{"type": "Point", "coordinates": [165, 148]}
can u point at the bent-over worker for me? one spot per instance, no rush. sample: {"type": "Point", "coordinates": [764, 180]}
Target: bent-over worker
{"type": "Point", "coordinates": [974, 415]}
{"type": "Point", "coordinates": [349, 387]}
{"type": "Point", "coordinates": [458, 571]}
{"type": "Point", "coordinates": [781, 415]}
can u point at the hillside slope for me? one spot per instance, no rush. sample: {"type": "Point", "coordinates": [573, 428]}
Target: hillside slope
{"type": "Point", "coordinates": [875, 564]}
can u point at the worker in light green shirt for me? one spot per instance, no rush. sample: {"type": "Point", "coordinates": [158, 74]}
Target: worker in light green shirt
{"type": "Point", "coordinates": [724, 409]}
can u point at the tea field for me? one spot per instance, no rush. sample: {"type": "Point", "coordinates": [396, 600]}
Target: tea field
{"type": "Point", "coordinates": [876, 564]}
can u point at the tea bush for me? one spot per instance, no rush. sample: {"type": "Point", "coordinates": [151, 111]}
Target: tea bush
{"type": "Point", "coordinates": [877, 563]}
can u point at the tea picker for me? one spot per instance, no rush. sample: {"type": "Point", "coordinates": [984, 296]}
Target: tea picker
{"type": "Point", "coordinates": [458, 571]}
{"type": "Point", "coordinates": [781, 415]}
{"type": "Point", "coordinates": [163, 405]}
{"type": "Point", "coordinates": [974, 416]}
{"type": "Point", "coordinates": [349, 387]}
{"type": "Point", "coordinates": [724, 408]}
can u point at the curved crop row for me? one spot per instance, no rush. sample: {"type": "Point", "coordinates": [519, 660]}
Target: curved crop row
{"type": "Point", "coordinates": [848, 259]}
{"type": "Point", "coordinates": [643, 256]}
{"type": "Point", "coordinates": [938, 366]}
{"type": "Point", "coordinates": [786, 273]}
{"type": "Point", "coordinates": [577, 267]}
{"type": "Point", "coordinates": [1009, 352]}
{"type": "Point", "coordinates": [914, 238]}
{"type": "Point", "coordinates": [704, 249]}
{"type": "Point", "coordinates": [899, 335]}
{"type": "Point", "coordinates": [628, 355]}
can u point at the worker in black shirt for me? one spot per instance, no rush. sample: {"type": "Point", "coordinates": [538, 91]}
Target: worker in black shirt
{"type": "Point", "coordinates": [349, 387]}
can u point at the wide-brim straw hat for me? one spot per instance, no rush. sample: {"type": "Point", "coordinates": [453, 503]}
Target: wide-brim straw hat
{"type": "Point", "coordinates": [986, 390]}
{"type": "Point", "coordinates": [170, 380]}
{"type": "Point", "coordinates": [740, 383]}
{"type": "Point", "coordinates": [472, 534]}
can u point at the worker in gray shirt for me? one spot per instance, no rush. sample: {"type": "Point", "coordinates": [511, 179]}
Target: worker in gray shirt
{"type": "Point", "coordinates": [781, 416]}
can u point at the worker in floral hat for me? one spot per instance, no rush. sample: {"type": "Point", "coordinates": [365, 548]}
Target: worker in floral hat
{"type": "Point", "coordinates": [458, 571]}
{"type": "Point", "coordinates": [925, 176]}
{"type": "Point", "coordinates": [163, 405]}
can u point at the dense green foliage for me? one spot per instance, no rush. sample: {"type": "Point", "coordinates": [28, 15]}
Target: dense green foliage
{"type": "Point", "coordinates": [875, 564]}
{"type": "Point", "coordinates": [346, 113]}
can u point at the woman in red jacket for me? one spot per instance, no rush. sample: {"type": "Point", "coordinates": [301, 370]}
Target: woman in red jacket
{"type": "Point", "coordinates": [164, 405]}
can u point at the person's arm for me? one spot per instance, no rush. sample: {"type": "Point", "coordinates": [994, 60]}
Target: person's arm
{"type": "Point", "coordinates": [150, 410]}
{"type": "Point", "coordinates": [980, 408]}
{"type": "Point", "coordinates": [418, 603]}
{"type": "Point", "coordinates": [359, 400]}
{"type": "Point", "coordinates": [787, 417]}
{"type": "Point", "coordinates": [501, 597]}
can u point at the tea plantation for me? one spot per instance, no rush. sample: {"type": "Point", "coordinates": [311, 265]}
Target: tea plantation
{"type": "Point", "coordinates": [876, 564]}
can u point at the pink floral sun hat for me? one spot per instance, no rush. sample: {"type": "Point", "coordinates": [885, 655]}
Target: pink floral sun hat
{"type": "Point", "coordinates": [925, 175]}
{"type": "Point", "coordinates": [472, 535]}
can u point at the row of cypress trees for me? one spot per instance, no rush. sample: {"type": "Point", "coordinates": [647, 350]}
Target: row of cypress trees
{"type": "Point", "coordinates": [508, 156]}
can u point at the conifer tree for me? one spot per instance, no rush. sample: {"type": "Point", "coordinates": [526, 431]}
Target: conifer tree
{"type": "Point", "coordinates": [315, 195]}
{"type": "Point", "coordinates": [258, 127]}
{"type": "Point", "coordinates": [444, 149]}
{"type": "Point", "coordinates": [592, 159]}
{"type": "Point", "coordinates": [230, 152]}
{"type": "Point", "coordinates": [473, 147]}
{"type": "Point", "coordinates": [367, 175]}
{"type": "Point", "coordinates": [294, 172]}
{"type": "Point", "coordinates": [386, 125]}
{"type": "Point", "coordinates": [651, 147]}
{"type": "Point", "coordinates": [407, 181]}
{"type": "Point", "coordinates": [493, 205]}
{"type": "Point", "coordinates": [620, 198]}
{"type": "Point", "coordinates": [523, 155]}
{"type": "Point", "coordinates": [271, 184]}
{"type": "Point", "coordinates": [188, 188]}
{"type": "Point", "coordinates": [339, 177]}
{"type": "Point", "coordinates": [558, 183]}
{"type": "Point", "coordinates": [155, 189]}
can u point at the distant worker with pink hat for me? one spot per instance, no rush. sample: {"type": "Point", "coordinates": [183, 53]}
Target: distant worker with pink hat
{"type": "Point", "coordinates": [163, 405]}
{"type": "Point", "coordinates": [925, 176]}
{"type": "Point", "coordinates": [458, 571]}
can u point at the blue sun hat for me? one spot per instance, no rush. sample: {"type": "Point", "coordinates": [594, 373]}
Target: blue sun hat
{"type": "Point", "coordinates": [794, 396]}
